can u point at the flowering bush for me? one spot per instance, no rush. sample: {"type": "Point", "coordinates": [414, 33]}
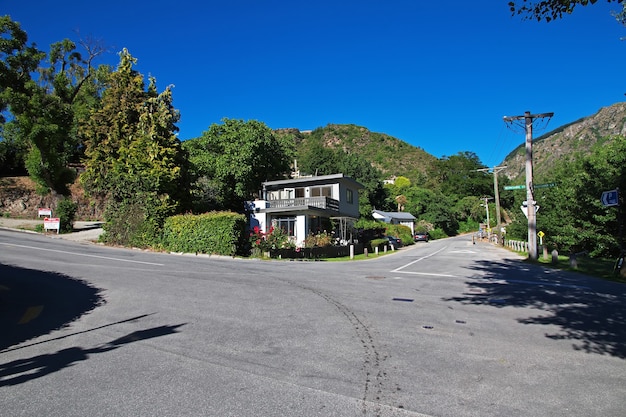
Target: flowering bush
{"type": "Point", "coordinates": [318, 240]}
{"type": "Point", "coordinates": [275, 238]}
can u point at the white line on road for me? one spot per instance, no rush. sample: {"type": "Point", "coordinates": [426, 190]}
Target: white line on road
{"type": "Point", "coordinates": [80, 254]}
{"type": "Point", "coordinates": [399, 270]}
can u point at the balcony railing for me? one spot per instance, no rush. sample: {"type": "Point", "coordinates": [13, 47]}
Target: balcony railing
{"type": "Point", "coordinates": [325, 203]}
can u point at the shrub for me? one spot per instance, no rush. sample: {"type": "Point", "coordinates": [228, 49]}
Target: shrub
{"type": "Point", "coordinates": [276, 238]}
{"type": "Point", "coordinates": [437, 234]}
{"type": "Point", "coordinates": [378, 243]}
{"type": "Point", "coordinates": [220, 233]}
{"type": "Point", "coordinates": [401, 231]}
{"type": "Point", "coordinates": [319, 240]}
{"type": "Point", "coordinates": [66, 212]}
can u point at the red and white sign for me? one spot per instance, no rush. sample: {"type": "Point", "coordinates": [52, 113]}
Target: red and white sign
{"type": "Point", "coordinates": [52, 223]}
{"type": "Point", "coordinates": [45, 212]}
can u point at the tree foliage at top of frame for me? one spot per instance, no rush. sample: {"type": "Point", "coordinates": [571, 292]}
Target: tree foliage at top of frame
{"type": "Point", "coordinates": [549, 10]}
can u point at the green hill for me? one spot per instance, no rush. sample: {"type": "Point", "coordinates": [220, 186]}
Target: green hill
{"type": "Point", "coordinates": [392, 156]}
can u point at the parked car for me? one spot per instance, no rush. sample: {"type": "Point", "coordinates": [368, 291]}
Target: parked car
{"type": "Point", "coordinates": [396, 242]}
{"type": "Point", "coordinates": [420, 237]}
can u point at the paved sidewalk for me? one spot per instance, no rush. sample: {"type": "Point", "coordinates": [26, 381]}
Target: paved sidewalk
{"type": "Point", "coordinates": [84, 231]}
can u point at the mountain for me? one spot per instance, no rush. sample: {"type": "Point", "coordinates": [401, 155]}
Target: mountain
{"type": "Point", "coordinates": [567, 141]}
{"type": "Point", "coordinates": [392, 156]}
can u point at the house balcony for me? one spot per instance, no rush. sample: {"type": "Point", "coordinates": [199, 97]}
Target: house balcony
{"type": "Point", "coordinates": [302, 203]}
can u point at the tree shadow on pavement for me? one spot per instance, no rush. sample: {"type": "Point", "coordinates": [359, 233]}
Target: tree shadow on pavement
{"type": "Point", "coordinates": [23, 370]}
{"type": "Point", "coordinates": [589, 312]}
{"type": "Point", "coordinates": [34, 303]}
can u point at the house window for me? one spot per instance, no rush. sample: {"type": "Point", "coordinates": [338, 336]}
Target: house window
{"type": "Point", "coordinates": [349, 196]}
{"type": "Point", "coordinates": [287, 225]}
{"type": "Point", "coordinates": [321, 191]}
{"type": "Point", "coordinates": [300, 192]}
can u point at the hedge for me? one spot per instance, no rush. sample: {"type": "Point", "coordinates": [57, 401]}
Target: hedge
{"type": "Point", "coordinates": [219, 233]}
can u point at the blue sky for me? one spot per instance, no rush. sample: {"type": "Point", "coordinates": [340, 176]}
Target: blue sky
{"type": "Point", "coordinates": [438, 75]}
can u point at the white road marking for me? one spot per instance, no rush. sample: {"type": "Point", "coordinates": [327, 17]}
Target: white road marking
{"type": "Point", "coordinates": [400, 269]}
{"type": "Point", "coordinates": [80, 254]}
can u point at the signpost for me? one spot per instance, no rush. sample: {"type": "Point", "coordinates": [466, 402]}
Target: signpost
{"type": "Point", "coordinates": [523, 187]}
{"type": "Point", "coordinates": [44, 212]}
{"type": "Point", "coordinates": [610, 198]}
{"type": "Point", "coordinates": [524, 207]}
{"type": "Point", "coordinates": [52, 223]}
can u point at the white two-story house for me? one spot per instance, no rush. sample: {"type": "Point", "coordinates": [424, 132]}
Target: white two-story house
{"type": "Point", "coordinates": [305, 205]}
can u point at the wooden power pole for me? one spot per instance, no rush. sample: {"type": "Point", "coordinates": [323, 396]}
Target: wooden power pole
{"type": "Point", "coordinates": [530, 199]}
{"type": "Point", "coordinates": [496, 193]}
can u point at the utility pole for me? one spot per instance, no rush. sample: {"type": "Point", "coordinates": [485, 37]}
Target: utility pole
{"type": "Point", "coordinates": [488, 222]}
{"type": "Point", "coordinates": [496, 192]}
{"type": "Point", "coordinates": [530, 199]}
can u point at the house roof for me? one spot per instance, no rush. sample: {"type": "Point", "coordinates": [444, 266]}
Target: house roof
{"type": "Point", "coordinates": [315, 180]}
{"type": "Point", "coordinates": [398, 215]}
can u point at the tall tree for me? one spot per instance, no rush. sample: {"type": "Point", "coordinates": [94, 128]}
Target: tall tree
{"type": "Point", "coordinates": [133, 158]}
{"type": "Point", "coordinates": [234, 158]}
{"type": "Point", "coordinates": [42, 110]}
{"type": "Point", "coordinates": [458, 175]}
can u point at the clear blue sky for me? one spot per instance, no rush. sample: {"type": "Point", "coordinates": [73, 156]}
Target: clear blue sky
{"type": "Point", "coordinates": [438, 75]}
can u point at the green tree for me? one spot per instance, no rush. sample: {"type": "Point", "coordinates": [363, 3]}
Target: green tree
{"type": "Point", "coordinates": [234, 158]}
{"type": "Point", "coordinates": [318, 159]}
{"type": "Point", "coordinates": [42, 111]}
{"type": "Point", "coordinates": [321, 160]}
{"type": "Point", "coordinates": [571, 214]}
{"type": "Point", "coordinates": [133, 158]}
{"type": "Point", "coordinates": [458, 175]}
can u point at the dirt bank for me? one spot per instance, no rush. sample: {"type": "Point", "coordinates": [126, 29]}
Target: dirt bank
{"type": "Point", "coordinates": [19, 199]}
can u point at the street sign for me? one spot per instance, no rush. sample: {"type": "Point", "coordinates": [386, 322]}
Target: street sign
{"type": "Point", "coordinates": [525, 209]}
{"type": "Point", "coordinates": [548, 185]}
{"type": "Point", "coordinates": [523, 187]}
{"type": "Point", "coordinates": [610, 198]}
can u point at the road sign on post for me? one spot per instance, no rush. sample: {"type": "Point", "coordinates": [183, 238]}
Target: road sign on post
{"type": "Point", "coordinates": [524, 208]}
{"type": "Point", "coordinates": [514, 187]}
{"type": "Point", "coordinates": [610, 198]}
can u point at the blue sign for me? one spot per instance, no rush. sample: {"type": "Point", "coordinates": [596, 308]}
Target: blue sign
{"type": "Point", "coordinates": [610, 198]}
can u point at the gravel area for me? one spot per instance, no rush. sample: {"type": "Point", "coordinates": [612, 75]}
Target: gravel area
{"type": "Point", "coordinates": [84, 231]}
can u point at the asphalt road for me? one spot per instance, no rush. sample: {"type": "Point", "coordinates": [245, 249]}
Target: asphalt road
{"type": "Point", "coordinates": [444, 328]}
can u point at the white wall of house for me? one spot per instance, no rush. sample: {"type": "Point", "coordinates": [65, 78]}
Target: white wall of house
{"type": "Point", "coordinates": [301, 228]}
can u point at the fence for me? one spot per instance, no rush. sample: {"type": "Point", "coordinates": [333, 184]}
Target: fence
{"type": "Point", "coordinates": [316, 252]}
{"type": "Point", "coordinates": [517, 245]}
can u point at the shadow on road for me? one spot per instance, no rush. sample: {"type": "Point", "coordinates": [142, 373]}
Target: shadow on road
{"type": "Point", "coordinates": [34, 303]}
{"type": "Point", "coordinates": [588, 311]}
{"type": "Point", "coordinates": [23, 370]}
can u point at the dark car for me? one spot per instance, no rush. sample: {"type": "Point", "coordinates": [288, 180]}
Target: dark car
{"type": "Point", "coordinates": [395, 242]}
{"type": "Point", "coordinates": [420, 237]}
